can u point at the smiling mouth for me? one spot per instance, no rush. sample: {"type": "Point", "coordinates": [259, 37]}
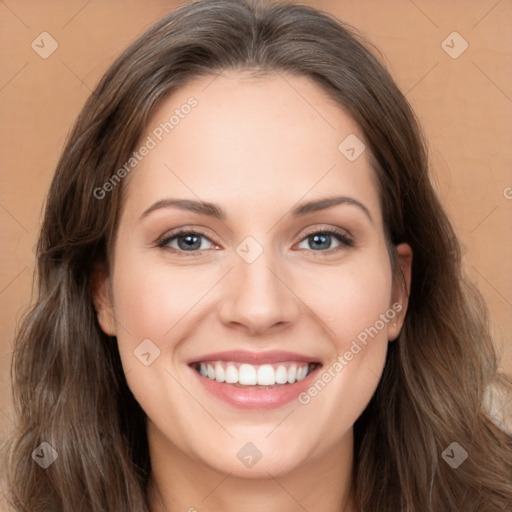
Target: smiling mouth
{"type": "Point", "coordinates": [257, 376]}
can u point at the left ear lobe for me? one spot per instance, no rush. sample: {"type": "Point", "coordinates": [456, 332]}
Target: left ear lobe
{"type": "Point", "coordinates": [102, 300]}
{"type": "Point", "coordinates": [401, 290]}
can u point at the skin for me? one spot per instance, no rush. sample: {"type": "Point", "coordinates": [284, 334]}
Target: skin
{"type": "Point", "coordinates": [255, 147]}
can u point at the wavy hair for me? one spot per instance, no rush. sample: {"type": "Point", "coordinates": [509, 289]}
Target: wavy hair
{"type": "Point", "coordinates": [69, 388]}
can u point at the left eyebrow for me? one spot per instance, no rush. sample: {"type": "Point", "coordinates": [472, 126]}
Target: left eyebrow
{"type": "Point", "coordinates": [328, 202]}
{"type": "Point", "coordinates": [212, 210]}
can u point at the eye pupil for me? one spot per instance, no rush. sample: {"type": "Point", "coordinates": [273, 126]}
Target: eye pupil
{"type": "Point", "coordinates": [189, 242]}
{"type": "Point", "coordinates": [321, 237]}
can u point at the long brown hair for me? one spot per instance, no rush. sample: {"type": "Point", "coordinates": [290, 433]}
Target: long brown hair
{"type": "Point", "coordinates": [68, 382]}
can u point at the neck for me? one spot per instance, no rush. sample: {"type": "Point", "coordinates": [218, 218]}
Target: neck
{"type": "Point", "coordinates": [179, 482]}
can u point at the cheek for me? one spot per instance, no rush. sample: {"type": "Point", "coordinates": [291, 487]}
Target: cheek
{"type": "Point", "coordinates": [154, 304]}
{"type": "Point", "coordinates": [151, 301]}
{"type": "Point", "coordinates": [351, 298]}
{"type": "Point", "coordinates": [354, 304]}
{"type": "Point", "coordinates": [342, 391]}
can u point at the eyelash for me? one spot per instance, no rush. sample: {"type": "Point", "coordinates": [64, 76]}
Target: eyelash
{"type": "Point", "coordinates": [344, 240]}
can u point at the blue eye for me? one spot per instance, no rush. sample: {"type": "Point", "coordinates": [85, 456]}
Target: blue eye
{"type": "Point", "coordinates": [324, 238]}
{"type": "Point", "coordinates": [188, 241]}
{"type": "Point", "coordinates": [192, 241]}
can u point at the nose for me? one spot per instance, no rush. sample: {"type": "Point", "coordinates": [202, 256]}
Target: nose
{"type": "Point", "coordinates": [258, 299]}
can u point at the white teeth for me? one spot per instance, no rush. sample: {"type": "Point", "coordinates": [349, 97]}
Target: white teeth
{"type": "Point", "coordinates": [281, 375]}
{"type": "Point", "coordinates": [231, 374]}
{"type": "Point", "coordinates": [250, 375]}
{"type": "Point", "coordinates": [220, 374]}
{"type": "Point", "coordinates": [301, 373]}
{"type": "Point", "coordinates": [266, 375]}
{"type": "Point", "coordinates": [292, 374]}
{"type": "Point", "coordinates": [247, 375]}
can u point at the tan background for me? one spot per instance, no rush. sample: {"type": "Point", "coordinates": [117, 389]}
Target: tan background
{"type": "Point", "coordinates": [464, 105]}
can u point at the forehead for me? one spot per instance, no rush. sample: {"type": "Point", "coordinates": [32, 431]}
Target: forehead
{"type": "Point", "coordinates": [251, 142]}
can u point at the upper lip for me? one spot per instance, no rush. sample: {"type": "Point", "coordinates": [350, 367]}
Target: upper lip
{"type": "Point", "coordinates": [256, 358]}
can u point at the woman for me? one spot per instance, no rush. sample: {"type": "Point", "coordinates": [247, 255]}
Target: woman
{"type": "Point", "coordinates": [194, 344]}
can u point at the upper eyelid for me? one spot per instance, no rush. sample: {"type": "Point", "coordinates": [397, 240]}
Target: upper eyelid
{"type": "Point", "coordinates": [315, 229]}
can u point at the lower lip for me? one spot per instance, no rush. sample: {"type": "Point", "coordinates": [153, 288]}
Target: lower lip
{"type": "Point", "coordinates": [257, 398]}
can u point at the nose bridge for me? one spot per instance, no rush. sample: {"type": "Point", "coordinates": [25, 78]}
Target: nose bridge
{"type": "Point", "coordinates": [256, 295]}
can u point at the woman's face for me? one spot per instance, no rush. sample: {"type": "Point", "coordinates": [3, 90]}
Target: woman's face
{"type": "Point", "coordinates": [268, 280]}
